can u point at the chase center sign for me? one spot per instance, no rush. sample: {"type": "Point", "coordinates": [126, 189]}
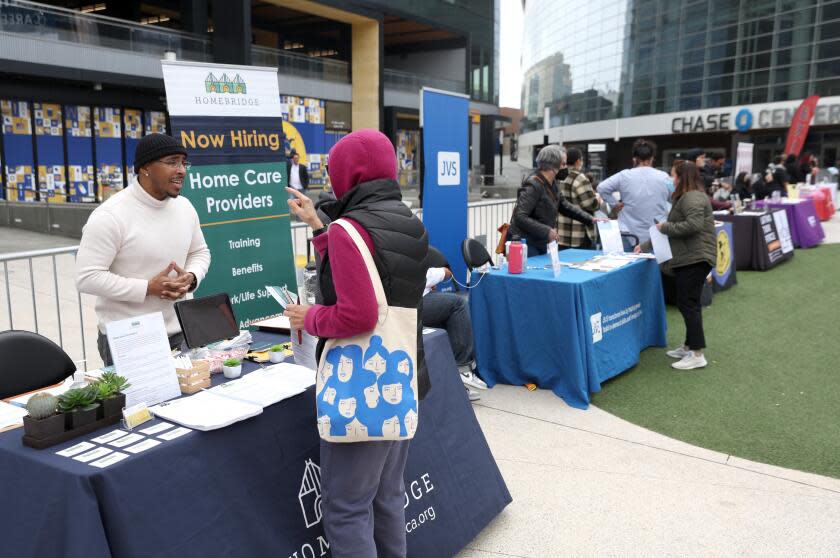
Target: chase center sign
{"type": "Point", "coordinates": [753, 117]}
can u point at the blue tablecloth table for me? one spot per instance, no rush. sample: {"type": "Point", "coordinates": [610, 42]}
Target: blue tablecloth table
{"type": "Point", "coordinates": [567, 334]}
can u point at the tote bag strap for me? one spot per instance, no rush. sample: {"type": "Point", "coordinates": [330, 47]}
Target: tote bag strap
{"type": "Point", "coordinates": [381, 300]}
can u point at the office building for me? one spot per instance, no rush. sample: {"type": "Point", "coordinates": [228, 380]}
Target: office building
{"type": "Point", "coordinates": [82, 83]}
{"type": "Point", "coordinates": [684, 73]}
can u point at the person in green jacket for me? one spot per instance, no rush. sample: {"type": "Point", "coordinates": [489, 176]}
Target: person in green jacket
{"type": "Point", "coordinates": [690, 229]}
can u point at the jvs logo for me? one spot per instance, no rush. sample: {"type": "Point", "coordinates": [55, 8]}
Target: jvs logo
{"type": "Point", "coordinates": [449, 168]}
{"type": "Point", "coordinates": [597, 331]}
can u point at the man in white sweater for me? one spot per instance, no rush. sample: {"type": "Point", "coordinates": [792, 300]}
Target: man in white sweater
{"type": "Point", "coordinates": [143, 248]}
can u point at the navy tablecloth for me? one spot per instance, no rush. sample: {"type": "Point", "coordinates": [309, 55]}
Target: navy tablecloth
{"type": "Point", "coordinates": [568, 334]}
{"type": "Point", "coordinates": [250, 489]}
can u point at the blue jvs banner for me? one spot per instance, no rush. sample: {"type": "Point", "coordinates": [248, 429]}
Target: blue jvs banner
{"type": "Point", "coordinates": [445, 122]}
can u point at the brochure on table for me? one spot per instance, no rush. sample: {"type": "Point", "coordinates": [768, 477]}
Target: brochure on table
{"type": "Point", "coordinates": [239, 399]}
{"type": "Point", "coordinates": [141, 353]}
{"type": "Point", "coordinates": [610, 236]}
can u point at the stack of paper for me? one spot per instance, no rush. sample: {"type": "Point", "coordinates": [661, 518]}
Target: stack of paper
{"type": "Point", "coordinates": [244, 338]}
{"type": "Point", "coordinates": [268, 386]}
{"type": "Point", "coordinates": [11, 415]}
{"type": "Point", "coordinates": [206, 411]}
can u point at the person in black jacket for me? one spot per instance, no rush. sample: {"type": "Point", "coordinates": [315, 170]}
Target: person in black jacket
{"type": "Point", "coordinates": [297, 173]}
{"type": "Point", "coordinates": [539, 200]}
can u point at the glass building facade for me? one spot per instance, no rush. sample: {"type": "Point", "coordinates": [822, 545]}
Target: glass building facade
{"type": "Point", "coordinates": [592, 60]}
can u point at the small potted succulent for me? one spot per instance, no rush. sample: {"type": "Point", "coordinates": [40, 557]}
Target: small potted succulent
{"type": "Point", "coordinates": [277, 353]}
{"type": "Point", "coordinates": [232, 368]}
{"type": "Point", "coordinates": [79, 406]}
{"type": "Point", "coordinates": [43, 420]}
{"type": "Point", "coordinates": [110, 390]}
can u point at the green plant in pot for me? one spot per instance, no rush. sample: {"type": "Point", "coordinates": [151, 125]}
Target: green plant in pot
{"type": "Point", "coordinates": [110, 393]}
{"type": "Point", "coordinates": [43, 420]}
{"type": "Point", "coordinates": [79, 406]}
{"type": "Point", "coordinates": [232, 368]}
{"type": "Point", "coordinates": [277, 353]}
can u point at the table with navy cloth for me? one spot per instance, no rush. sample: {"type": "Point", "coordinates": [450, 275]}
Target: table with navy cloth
{"type": "Point", "coordinates": [756, 240]}
{"type": "Point", "coordinates": [250, 489]}
{"type": "Point", "coordinates": [805, 228]}
{"type": "Point", "coordinates": [568, 334]}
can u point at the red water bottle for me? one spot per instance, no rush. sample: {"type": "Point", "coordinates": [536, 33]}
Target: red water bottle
{"type": "Point", "coordinates": [515, 256]}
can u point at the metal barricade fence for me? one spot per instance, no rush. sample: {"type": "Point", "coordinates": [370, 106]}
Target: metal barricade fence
{"type": "Point", "coordinates": [41, 295]}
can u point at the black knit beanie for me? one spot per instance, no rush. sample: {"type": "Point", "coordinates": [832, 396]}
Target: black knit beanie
{"type": "Point", "coordinates": [155, 146]}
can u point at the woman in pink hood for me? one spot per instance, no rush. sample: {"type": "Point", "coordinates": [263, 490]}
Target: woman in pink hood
{"type": "Point", "coordinates": [362, 486]}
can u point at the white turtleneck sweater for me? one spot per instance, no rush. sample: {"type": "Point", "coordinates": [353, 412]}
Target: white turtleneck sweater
{"type": "Point", "coordinates": [128, 240]}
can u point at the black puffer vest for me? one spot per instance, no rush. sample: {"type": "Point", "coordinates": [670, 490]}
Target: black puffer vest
{"type": "Point", "coordinates": [400, 245]}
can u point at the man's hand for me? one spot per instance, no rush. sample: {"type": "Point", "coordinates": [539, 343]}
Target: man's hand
{"type": "Point", "coordinates": [178, 287]}
{"type": "Point", "coordinates": [297, 315]}
{"type": "Point", "coordinates": [303, 207]}
{"type": "Point", "coordinates": [157, 284]}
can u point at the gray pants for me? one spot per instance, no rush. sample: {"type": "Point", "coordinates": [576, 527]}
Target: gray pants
{"type": "Point", "coordinates": [362, 498]}
{"type": "Point", "coordinates": [452, 313]}
{"type": "Point", "coordinates": [175, 342]}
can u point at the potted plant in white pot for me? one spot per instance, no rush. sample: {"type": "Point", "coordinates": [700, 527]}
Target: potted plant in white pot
{"type": "Point", "coordinates": [277, 354]}
{"type": "Point", "coordinates": [232, 368]}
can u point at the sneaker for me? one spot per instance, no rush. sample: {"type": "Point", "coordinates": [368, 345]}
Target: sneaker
{"type": "Point", "coordinates": [470, 379]}
{"type": "Point", "coordinates": [680, 352]}
{"type": "Point", "coordinates": [472, 395]}
{"type": "Point", "coordinates": [690, 362]}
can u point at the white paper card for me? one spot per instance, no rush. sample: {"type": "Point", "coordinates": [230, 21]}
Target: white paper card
{"type": "Point", "coordinates": [555, 258]}
{"type": "Point", "coordinates": [661, 245]}
{"type": "Point", "coordinates": [141, 352]}
{"type": "Point", "coordinates": [115, 457]}
{"type": "Point", "coordinates": [125, 441]}
{"type": "Point", "coordinates": [303, 347]}
{"type": "Point", "coordinates": [783, 230]}
{"type": "Point", "coordinates": [156, 428]}
{"type": "Point", "coordinates": [110, 437]}
{"type": "Point", "coordinates": [93, 454]}
{"type": "Point", "coordinates": [610, 237]}
{"type": "Point", "coordinates": [73, 450]}
{"type": "Point", "coordinates": [177, 433]}
{"type": "Point", "coordinates": [142, 446]}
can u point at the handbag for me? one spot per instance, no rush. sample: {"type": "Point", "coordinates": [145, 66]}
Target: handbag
{"type": "Point", "coordinates": [366, 385]}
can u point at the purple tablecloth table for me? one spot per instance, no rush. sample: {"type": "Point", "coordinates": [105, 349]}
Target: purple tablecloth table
{"type": "Point", "coordinates": [805, 228]}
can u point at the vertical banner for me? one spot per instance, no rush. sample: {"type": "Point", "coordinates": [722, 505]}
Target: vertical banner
{"type": "Point", "coordinates": [79, 138]}
{"type": "Point", "coordinates": [444, 118]}
{"type": "Point", "coordinates": [133, 123]}
{"type": "Point", "coordinates": [799, 125]}
{"type": "Point", "coordinates": [229, 120]}
{"type": "Point", "coordinates": [107, 125]}
{"type": "Point", "coordinates": [744, 158]}
{"type": "Point", "coordinates": [17, 144]}
{"type": "Point", "coordinates": [50, 143]}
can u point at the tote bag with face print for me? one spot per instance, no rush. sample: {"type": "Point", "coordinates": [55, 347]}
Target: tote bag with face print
{"type": "Point", "coordinates": [367, 385]}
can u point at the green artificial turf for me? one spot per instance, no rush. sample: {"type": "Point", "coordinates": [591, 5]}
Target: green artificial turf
{"type": "Point", "coordinates": [771, 391]}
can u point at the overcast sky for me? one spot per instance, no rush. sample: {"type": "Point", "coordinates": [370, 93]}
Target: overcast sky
{"type": "Point", "coordinates": [510, 53]}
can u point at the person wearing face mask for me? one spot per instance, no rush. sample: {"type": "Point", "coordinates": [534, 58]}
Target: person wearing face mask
{"type": "Point", "coordinates": [143, 248]}
{"type": "Point", "coordinates": [578, 190]}
{"type": "Point", "coordinates": [643, 190]}
{"type": "Point", "coordinates": [539, 200]}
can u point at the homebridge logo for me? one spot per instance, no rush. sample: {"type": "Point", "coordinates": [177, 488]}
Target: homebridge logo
{"type": "Point", "coordinates": [224, 84]}
{"type": "Point", "coordinates": [224, 90]}
{"type": "Point", "coordinates": [310, 494]}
